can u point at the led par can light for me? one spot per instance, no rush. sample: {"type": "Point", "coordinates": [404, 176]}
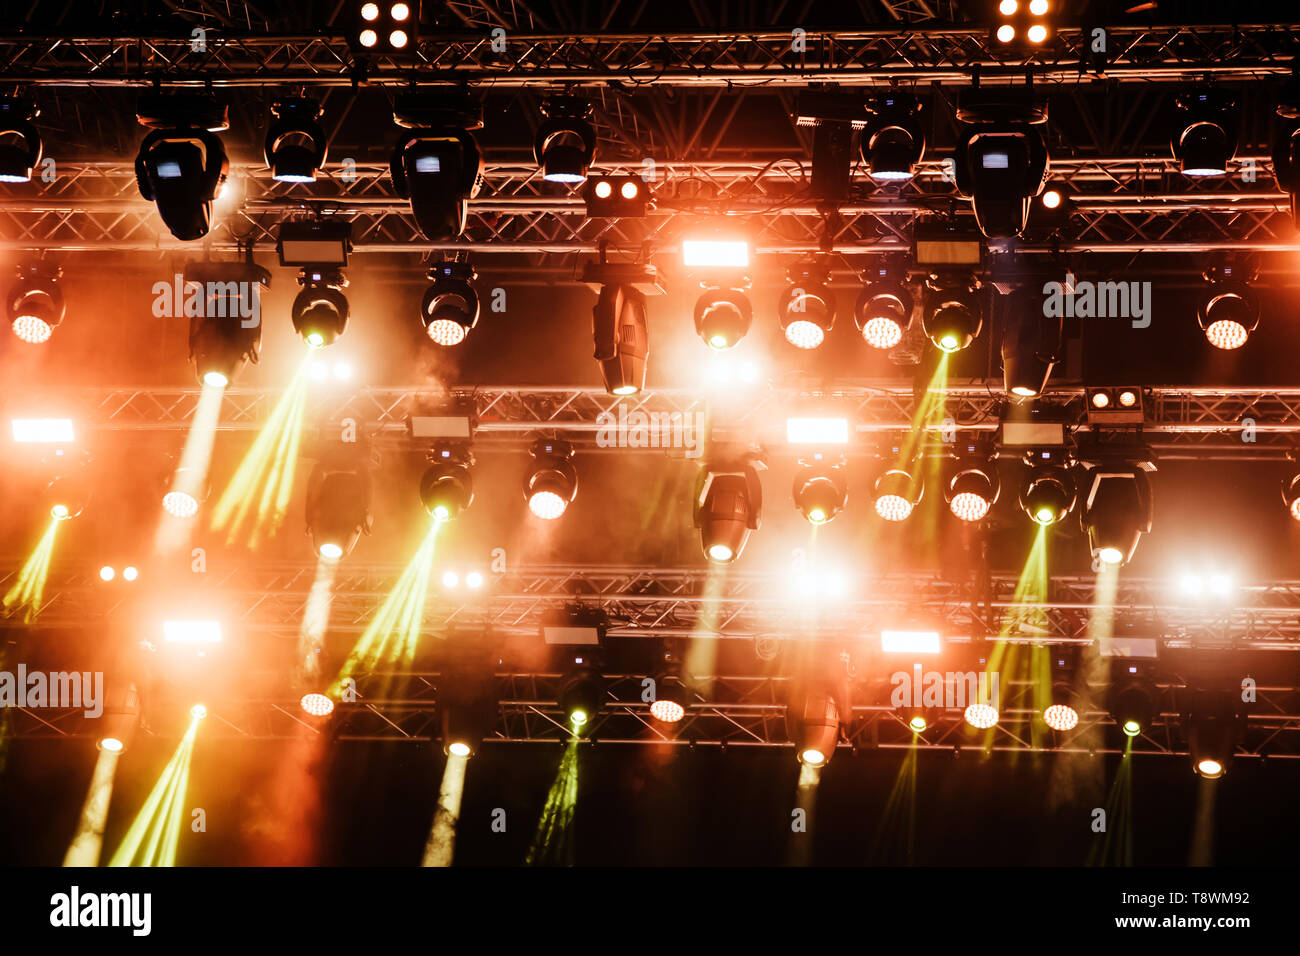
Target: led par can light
{"type": "Point", "coordinates": [552, 482]}
{"type": "Point", "coordinates": [883, 313]}
{"type": "Point", "coordinates": [35, 305]}
{"type": "Point", "coordinates": [450, 307]}
{"type": "Point", "coordinates": [447, 486]}
{"type": "Point", "coordinates": [807, 306]}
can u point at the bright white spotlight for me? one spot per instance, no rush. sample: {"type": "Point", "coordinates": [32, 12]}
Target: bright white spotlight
{"type": "Point", "coordinates": [817, 431]}
{"type": "Point", "coordinates": [180, 504]}
{"type": "Point", "coordinates": [192, 632]}
{"type": "Point", "coordinates": [317, 705]}
{"type": "Point", "coordinates": [130, 574]}
{"type": "Point", "coordinates": [106, 573]}
{"type": "Point", "coordinates": [1061, 717]}
{"type": "Point", "coordinates": [450, 579]}
{"type": "Point", "coordinates": [910, 642]}
{"type": "Point", "coordinates": [981, 716]}
{"type": "Point", "coordinates": [44, 430]}
{"type": "Point", "coordinates": [474, 580]}
{"type": "Point", "coordinates": [702, 253]}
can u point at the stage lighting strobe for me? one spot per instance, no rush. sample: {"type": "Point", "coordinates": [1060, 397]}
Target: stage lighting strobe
{"type": "Point", "coordinates": [450, 308]}
{"type": "Point", "coordinates": [552, 481]}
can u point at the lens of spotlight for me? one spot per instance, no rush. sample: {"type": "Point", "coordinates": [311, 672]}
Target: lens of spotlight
{"type": "Point", "coordinates": [580, 696]}
{"type": "Point", "coordinates": [447, 487]}
{"type": "Point", "coordinates": [459, 749]}
{"type": "Point", "coordinates": [604, 189]}
{"type": "Point", "coordinates": [1127, 398]}
{"type": "Point", "coordinates": [180, 504]}
{"type": "Point", "coordinates": [1048, 496]}
{"type": "Point", "coordinates": [474, 580]}
{"type": "Point", "coordinates": [951, 319]}
{"type": "Point", "coordinates": [552, 482]}
{"type": "Point", "coordinates": [820, 491]}
{"type": "Point", "coordinates": [1006, 33]}
{"type": "Point", "coordinates": [111, 744]}
{"type": "Point", "coordinates": [719, 552]}
{"type": "Point", "coordinates": [807, 312]}
{"type": "Point", "coordinates": [450, 579]}
{"type": "Point", "coordinates": [198, 712]}
{"type": "Point", "coordinates": [917, 724]}
{"type": "Point", "coordinates": [1061, 717]}
{"type": "Point", "coordinates": [1209, 768]}
{"type": "Point", "coordinates": [882, 312]}
{"type": "Point", "coordinates": [59, 512]}
{"type": "Point", "coordinates": [981, 716]}
{"type": "Point", "coordinates": [106, 573]}
{"type": "Point", "coordinates": [1008, 8]}
{"type": "Point", "coordinates": [369, 38]}
{"type": "Point", "coordinates": [130, 574]}
{"type": "Point", "coordinates": [369, 12]}
{"type": "Point", "coordinates": [723, 317]}
{"type": "Point", "coordinates": [316, 705]}
{"type": "Point", "coordinates": [1038, 7]}
{"type": "Point", "coordinates": [331, 551]}
{"type": "Point", "coordinates": [972, 492]}
{"type": "Point", "coordinates": [894, 495]}
{"type": "Point", "coordinates": [1037, 33]}
{"type": "Point", "coordinates": [398, 39]}
{"type": "Point", "coordinates": [1100, 400]}
{"type": "Point", "coordinates": [320, 311]}
{"type": "Point", "coordinates": [400, 12]}
{"type": "Point", "coordinates": [1051, 199]}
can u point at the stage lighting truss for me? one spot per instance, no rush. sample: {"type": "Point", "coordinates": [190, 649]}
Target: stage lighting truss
{"type": "Point", "coordinates": [436, 163]}
{"type": "Point", "coordinates": [450, 307]}
{"type": "Point", "coordinates": [447, 486]}
{"type": "Point", "coordinates": [552, 481]}
{"type": "Point", "coordinates": [1023, 24]}
{"type": "Point", "coordinates": [821, 487]}
{"type": "Point", "coordinates": [182, 164]}
{"type": "Point", "coordinates": [384, 26]}
{"type": "Point", "coordinates": [227, 331]}
{"type": "Point", "coordinates": [35, 306]}
{"type": "Point", "coordinates": [1031, 343]}
{"type": "Point", "coordinates": [1131, 697]}
{"type": "Point", "coordinates": [338, 508]}
{"type": "Point", "coordinates": [1116, 509]}
{"type": "Point", "coordinates": [616, 197]}
{"type": "Point", "coordinates": [296, 146]}
{"type": "Point", "coordinates": [1215, 721]}
{"type": "Point", "coordinates": [728, 506]}
{"type": "Point", "coordinates": [893, 141]}
{"type": "Point", "coordinates": [320, 310]}
{"type": "Point", "coordinates": [883, 312]}
{"type": "Point", "coordinates": [1114, 405]}
{"type": "Point", "coordinates": [723, 315]}
{"type": "Point", "coordinates": [565, 144]}
{"type": "Point", "coordinates": [814, 715]}
{"type": "Point", "coordinates": [1001, 161]}
{"type": "Point", "coordinates": [952, 318]}
{"type": "Point", "coordinates": [807, 307]}
{"type": "Point", "coordinates": [1048, 494]}
{"type": "Point", "coordinates": [20, 143]}
{"type": "Point", "coordinates": [897, 492]}
{"type": "Point", "coordinates": [973, 487]}
{"type": "Point", "coordinates": [1205, 131]}
{"type": "Point", "coordinates": [1228, 311]}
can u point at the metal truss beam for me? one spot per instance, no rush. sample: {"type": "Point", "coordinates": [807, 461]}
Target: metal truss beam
{"type": "Point", "coordinates": [1202, 422]}
{"type": "Point", "coordinates": [766, 609]}
{"type": "Point", "coordinates": [925, 54]}
{"type": "Point", "coordinates": [1119, 205]}
{"type": "Point", "coordinates": [738, 712]}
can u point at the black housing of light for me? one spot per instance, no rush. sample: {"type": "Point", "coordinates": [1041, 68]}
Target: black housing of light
{"type": "Point", "coordinates": [552, 481]}
{"type": "Point", "coordinates": [1228, 311]}
{"type": "Point", "coordinates": [320, 311]}
{"type": "Point", "coordinates": [436, 162]}
{"type": "Point", "coordinates": [952, 318]}
{"type": "Point", "coordinates": [565, 144]}
{"type": "Point", "coordinates": [820, 489]}
{"type": "Point", "coordinates": [450, 307]}
{"type": "Point", "coordinates": [1031, 344]}
{"type": "Point", "coordinates": [296, 146]}
{"type": "Point", "coordinates": [1205, 131]}
{"type": "Point", "coordinates": [807, 306]}
{"type": "Point", "coordinates": [1001, 162]}
{"type": "Point", "coordinates": [447, 486]}
{"type": "Point", "coordinates": [1048, 494]}
{"type": "Point", "coordinates": [338, 508]}
{"type": "Point", "coordinates": [228, 332]}
{"type": "Point", "coordinates": [723, 317]}
{"type": "Point", "coordinates": [20, 142]}
{"type": "Point", "coordinates": [621, 333]}
{"type": "Point", "coordinates": [1215, 722]}
{"type": "Point", "coordinates": [1116, 510]}
{"type": "Point", "coordinates": [813, 717]}
{"type": "Point", "coordinates": [581, 696]}
{"type": "Point", "coordinates": [616, 197]}
{"type": "Point", "coordinates": [883, 312]}
{"type": "Point", "coordinates": [182, 172]}
{"type": "Point", "coordinates": [893, 141]}
{"type": "Point", "coordinates": [35, 305]}
{"type": "Point", "coordinates": [973, 488]}
{"type": "Point", "coordinates": [728, 506]}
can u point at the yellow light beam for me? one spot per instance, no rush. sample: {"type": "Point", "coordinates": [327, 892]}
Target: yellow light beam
{"type": "Point", "coordinates": [192, 473]}
{"type": "Point", "coordinates": [441, 845]}
{"type": "Point", "coordinates": [89, 839]}
{"type": "Point", "coordinates": [29, 590]}
{"type": "Point", "coordinates": [553, 841]}
{"type": "Point", "coordinates": [160, 812]}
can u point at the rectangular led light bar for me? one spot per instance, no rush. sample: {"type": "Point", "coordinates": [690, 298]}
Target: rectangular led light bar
{"type": "Point", "coordinates": [192, 632]}
{"type": "Point", "coordinates": [817, 431]}
{"type": "Point", "coordinates": [910, 642]}
{"type": "Point", "coordinates": [46, 430]}
{"type": "Point", "coordinates": [708, 253]}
